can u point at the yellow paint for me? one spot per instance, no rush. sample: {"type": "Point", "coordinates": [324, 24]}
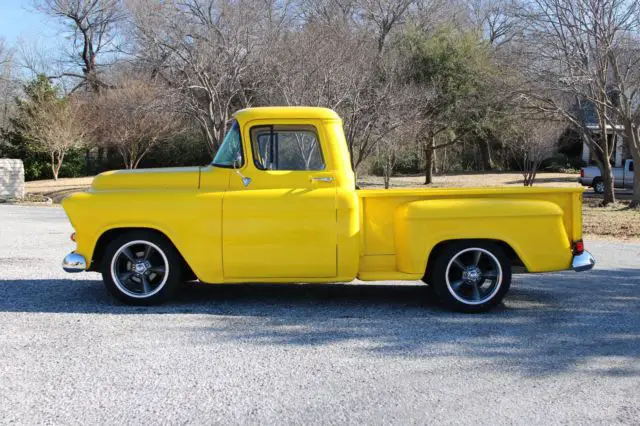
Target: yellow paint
{"type": "Point", "coordinates": [286, 227]}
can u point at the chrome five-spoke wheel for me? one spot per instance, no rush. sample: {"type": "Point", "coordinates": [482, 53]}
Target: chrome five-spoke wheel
{"type": "Point", "coordinates": [470, 275]}
{"type": "Point", "coordinates": [474, 276]}
{"type": "Point", "coordinates": [139, 269]}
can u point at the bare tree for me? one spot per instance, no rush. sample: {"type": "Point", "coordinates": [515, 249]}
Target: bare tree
{"type": "Point", "coordinates": [205, 49]}
{"type": "Point", "coordinates": [8, 84]}
{"type": "Point", "coordinates": [625, 81]}
{"type": "Point", "coordinates": [391, 148]}
{"type": "Point", "coordinates": [93, 29]}
{"type": "Point", "coordinates": [56, 126]}
{"type": "Point", "coordinates": [573, 42]}
{"type": "Point", "coordinates": [333, 62]}
{"type": "Point", "coordinates": [496, 19]}
{"type": "Point", "coordinates": [384, 15]}
{"type": "Point", "coordinates": [133, 117]}
{"type": "Point", "coordinates": [532, 142]}
{"type": "Point", "coordinates": [4, 53]}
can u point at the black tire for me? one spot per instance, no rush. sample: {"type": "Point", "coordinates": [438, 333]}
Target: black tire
{"type": "Point", "coordinates": [470, 288]}
{"type": "Point", "coordinates": [598, 186]}
{"type": "Point", "coordinates": [152, 250]}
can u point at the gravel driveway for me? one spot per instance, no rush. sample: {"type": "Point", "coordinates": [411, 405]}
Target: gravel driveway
{"type": "Point", "coordinates": [565, 348]}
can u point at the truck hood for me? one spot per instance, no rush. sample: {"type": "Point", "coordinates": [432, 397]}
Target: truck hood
{"type": "Point", "coordinates": [162, 178]}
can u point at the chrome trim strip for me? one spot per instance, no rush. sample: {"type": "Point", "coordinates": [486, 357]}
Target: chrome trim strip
{"type": "Point", "coordinates": [73, 262]}
{"type": "Point", "coordinates": [583, 262]}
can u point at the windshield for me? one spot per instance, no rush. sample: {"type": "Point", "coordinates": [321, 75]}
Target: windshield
{"type": "Point", "coordinates": [230, 149]}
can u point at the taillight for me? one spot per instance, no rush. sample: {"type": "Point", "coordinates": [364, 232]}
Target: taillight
{"type": "Point", "coordinates": [578, 247]}
{"type": "Point", "coordinates": [73, 236]}
{"type": "Point", "coordinates": [581, 172]}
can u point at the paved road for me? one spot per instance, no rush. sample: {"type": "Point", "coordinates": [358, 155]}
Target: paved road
{"type": "Point", "coordinates": [565, 348]}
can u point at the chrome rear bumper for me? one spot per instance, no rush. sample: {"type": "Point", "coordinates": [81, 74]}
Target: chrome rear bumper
{"type": "Point", "coordinates": [583, 262]}
{"type": "Point", "coordinates": [73, 262]}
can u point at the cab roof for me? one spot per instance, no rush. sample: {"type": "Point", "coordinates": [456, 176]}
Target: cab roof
{"type": "Point", "coordinates": [279, 112]}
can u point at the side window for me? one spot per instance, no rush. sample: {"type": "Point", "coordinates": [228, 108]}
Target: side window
{"type": "Point", "coordinates": [231, 148]}
{"type": "Point", "coordinates": [286, 148]}
{"type": "Point", "coordinates": [630, 166]}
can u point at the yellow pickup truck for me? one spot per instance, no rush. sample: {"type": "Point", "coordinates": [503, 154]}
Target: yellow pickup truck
{"type": "Point", "coordinates": [279, 204]}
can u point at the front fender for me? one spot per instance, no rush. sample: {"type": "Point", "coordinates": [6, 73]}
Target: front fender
{"type": "Point", "coordinates": [533, 228]}
{"type": "Point", "coordinates": [191, 220]}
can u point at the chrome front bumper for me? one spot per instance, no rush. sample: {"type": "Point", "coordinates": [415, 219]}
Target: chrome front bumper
{"type": "Point", "coordinates": [73, 262]}
{"type": "Point", "coordinates": [583, 262]}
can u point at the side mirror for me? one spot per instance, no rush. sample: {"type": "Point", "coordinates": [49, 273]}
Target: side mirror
{"type": "Point", "coordinates": [237, 163]}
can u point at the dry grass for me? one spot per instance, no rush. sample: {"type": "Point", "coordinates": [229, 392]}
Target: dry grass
{"type": "Point", "coordinates": [57, 190]}
{"type": "Point", "coordinates": [616, 221]}
{"type": "Point", "coordinates": [466, 180]}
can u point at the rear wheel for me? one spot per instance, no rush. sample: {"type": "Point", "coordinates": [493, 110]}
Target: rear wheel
{"type": "Point", "coordinates": [471, 276]}
{"type": "Point", "coordinates": [598, 186]}
{"type": "Point", "coordinates": [141, 268]}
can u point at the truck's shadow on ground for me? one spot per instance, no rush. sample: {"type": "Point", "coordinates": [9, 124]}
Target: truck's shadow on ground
{"type": "Point", "coordinates": [549, 323]}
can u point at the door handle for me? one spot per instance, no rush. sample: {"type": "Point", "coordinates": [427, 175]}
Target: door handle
{"type": "Point", "coordinates": [326, 179]}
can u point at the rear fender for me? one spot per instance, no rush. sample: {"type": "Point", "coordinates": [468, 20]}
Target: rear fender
{"type": "Point", "coordinates": [532, 228]}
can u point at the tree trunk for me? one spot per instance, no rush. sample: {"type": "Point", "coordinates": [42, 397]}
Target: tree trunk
{"type": "Point", "coordinates": [633, 143]}
{"type": "Point", "coordinates": [428, 162]}
{"type": "Point", "coordinates": [609, 195]}
{"type": "Point", "coordinates": [526, 171]}
{"type": "Point", "coordinates": [54, 169]}
{"type": "Point", "coordinates": [485, 153]}
{"type": "Point", "coordinates": [434, 161]}
{"type": "Point", "coordinates": [532, 175]}
{"type": "Point", "coordinates": [635, 198]}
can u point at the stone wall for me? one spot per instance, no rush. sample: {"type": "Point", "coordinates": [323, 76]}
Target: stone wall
{"type": "Point", "coordinates": [11, 179]}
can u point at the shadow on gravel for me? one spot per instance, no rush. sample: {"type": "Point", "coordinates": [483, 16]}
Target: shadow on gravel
{"type": "Point", "coordinates": [549, 323]}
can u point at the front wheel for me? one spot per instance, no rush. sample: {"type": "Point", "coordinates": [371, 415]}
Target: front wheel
{"type": "Point", "coordinates": [141, 268]}
{"type": "Point", "coordinates": [471, 276]}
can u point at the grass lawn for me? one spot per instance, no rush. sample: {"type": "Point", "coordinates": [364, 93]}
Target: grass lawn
{"type": "Point", "coordinates": [617, 221]}
{"type": "Point", "coordinates": [614, 221]}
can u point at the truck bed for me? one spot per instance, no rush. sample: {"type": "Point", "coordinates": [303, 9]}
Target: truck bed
{"type": "Point", "coordinates": [524, 219]}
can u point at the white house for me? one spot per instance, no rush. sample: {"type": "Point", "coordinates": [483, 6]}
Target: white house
{"type": "Point", "coordinates": [620, 152]}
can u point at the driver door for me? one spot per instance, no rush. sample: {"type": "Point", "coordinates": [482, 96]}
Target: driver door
{"type": "Point", "coordinates": [283, 224]}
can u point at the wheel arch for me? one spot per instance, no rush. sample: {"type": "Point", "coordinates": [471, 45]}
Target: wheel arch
{"type": "Point", "coordinates": [112, 233]}
{"type": "Point", "coordinates": [509, 251]}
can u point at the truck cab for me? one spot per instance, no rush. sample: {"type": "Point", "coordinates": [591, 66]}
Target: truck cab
{"type": "Point", "coordinates": [279, 204]}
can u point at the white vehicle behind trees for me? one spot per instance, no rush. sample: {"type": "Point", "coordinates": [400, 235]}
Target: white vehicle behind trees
{"type": "Point", "coordinates": [622, 177]}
